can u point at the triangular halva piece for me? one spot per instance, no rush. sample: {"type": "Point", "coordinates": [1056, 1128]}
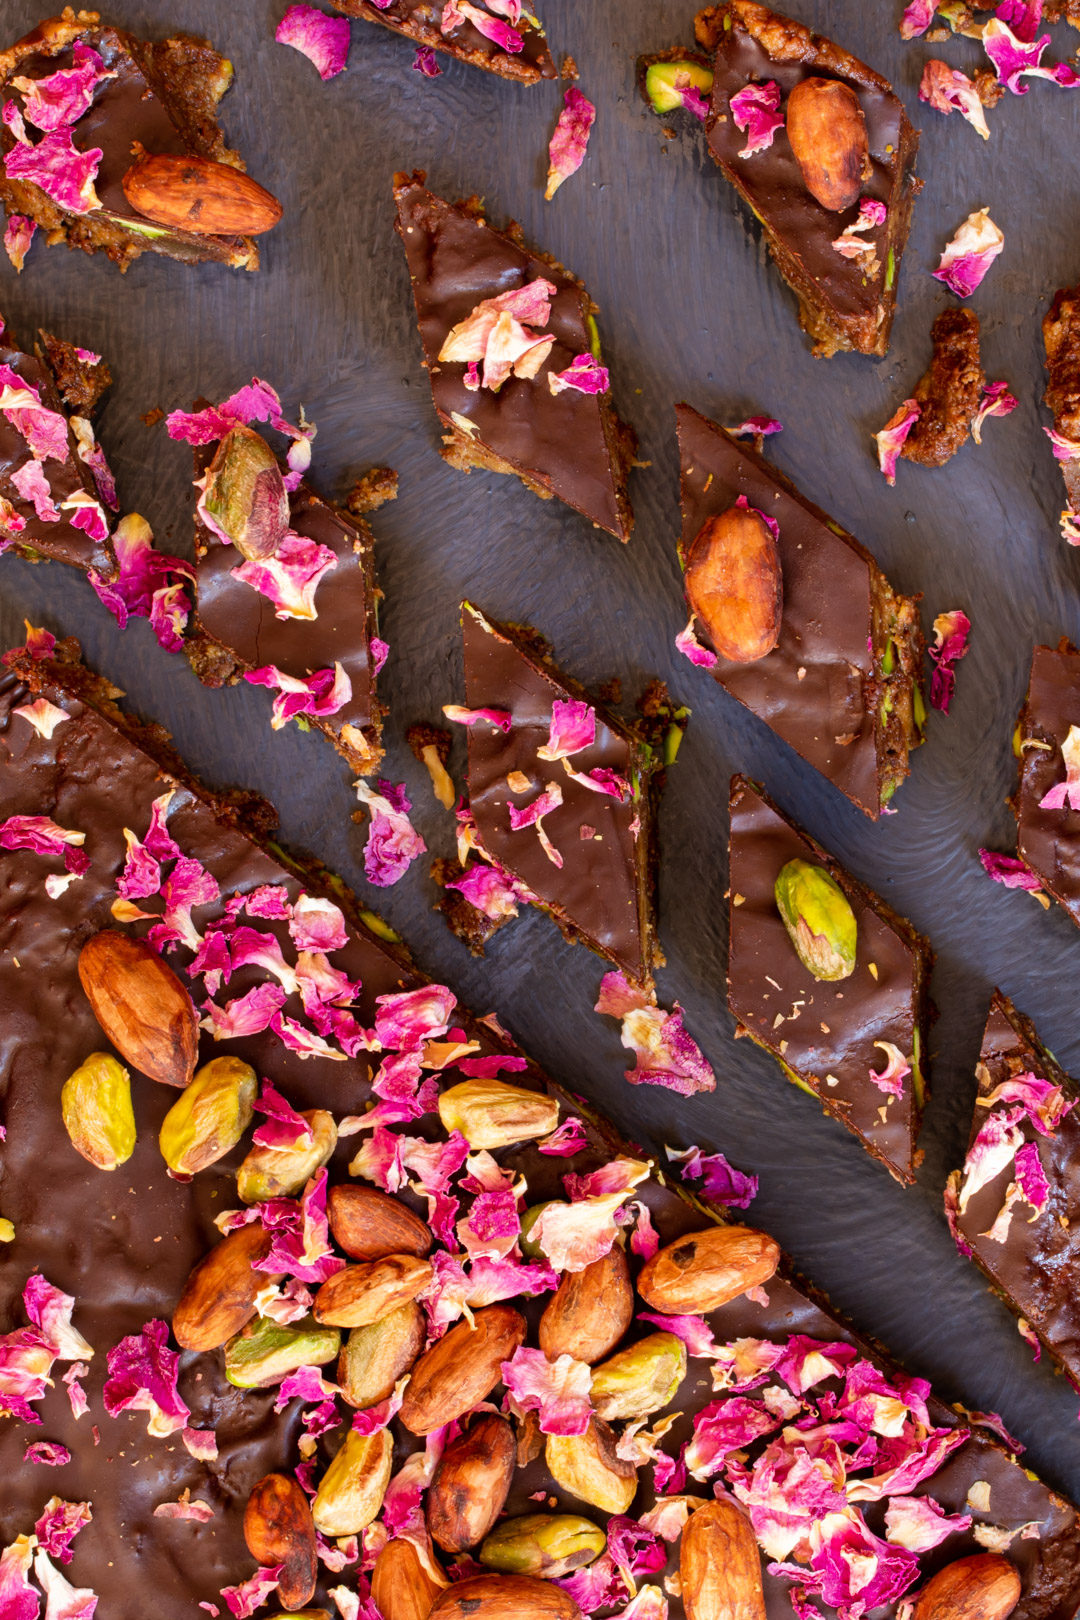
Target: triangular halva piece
{"type": "Point", "coordinates": [1014, 1208]}
{"type": "Point", "coordinates": [826, 977]}
{"type": "Point", "coordinates": [822, 151]}
{"type": "Point", "coordinates": [842, 684]}
{"type": "Point", "coordinates": [593, 868]}
{"type": "Point", "coordinates": [527, 396]}
{"type": "Point", "coordinates": [480, 33]}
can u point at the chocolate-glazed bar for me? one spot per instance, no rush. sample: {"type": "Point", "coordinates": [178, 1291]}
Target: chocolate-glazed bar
{"type": "Point", "coordinates": [847, 294]}
{"type": "Point", "coordinates": [557, 438]}
{"type": "Point", "coordinates": [477, 34]}
{"type": "Point", "coordinates": [843, 683]}
{"type": "Point", "coordinates": [601, 891]}
{"type": "Point", "coordinates": [124, 1243]}
{"type": "Point", "coordinates": [124, 99]}
{"type": "Point", "coordinates": [42, 493]}
{"type": "Point", "coordinates": [831, 1035]}
{"type": "Point", "coordinates": [1061, 337]}
{"type": "Point", "coordinates": [1013, 1208]}
{"type": "Point", "coordinates": [318, 650]}
{"type": "Point", "coordinates": [1047, 817]}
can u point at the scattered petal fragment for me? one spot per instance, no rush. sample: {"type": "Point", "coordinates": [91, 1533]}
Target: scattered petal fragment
{"type": "Point", "coordinates": [970, 254]}
{"type": "Point", "coordinates": [323, 40]}
{"type": "Point", "coordinates": [566, 153]}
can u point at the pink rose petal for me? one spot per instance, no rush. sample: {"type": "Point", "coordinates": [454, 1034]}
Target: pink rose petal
{"type": "Point", "coordinates": [566, 153]}
{"type": "Point", "coordinates": [323, 40]}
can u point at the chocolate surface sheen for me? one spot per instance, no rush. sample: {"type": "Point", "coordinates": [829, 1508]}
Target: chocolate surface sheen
{"type": "Point", "coordinates": [242, 622]}
{"type": "Point", "coordinates": [846, 303]}
{"type": "Point", "coordinates": [1048, 841]}
{"type": "Point", "coordinates": [602, 891]}
{"type": "Point", "coordinates": [124, 1243]}
{"type": "Point", "coordinates": [821, 688]}
{"type": "Point", "coordinates": [824, 1032]}
{"type": "Point", "coordinates": [1035, 1266]}
{"type": "Point", "coordinates": [568, 444]}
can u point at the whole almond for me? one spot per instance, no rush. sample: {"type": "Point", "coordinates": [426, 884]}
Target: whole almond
{"type": "Point", "coordinates": [360, 1295]}
{"type": "Point", "coordinates": [704, 1270]}
{"type": "Point", "coordinates": [369, 1224]}
{"type": "Point", "coordinates": [404, 1583]}
{"type": "Point", "coordinates": [720, 1565]}
{"type": "Point", "coordinates": [141, 1005]}
{"type": "Point", "coordinates": [734, 585]}
{"type": "Point", "coordinates": [504, 1597]}
{"type": "Point", "coordinates": [373, 1358]}
{"type": "Point", "coordinates": [827, 131]}
{"type": "Point", "coordinates": [590, 1310]}
{"type": "Point", "coordinates": [983, 1587]}
{"type": "Point", "coordinates": [278, 1529]}
{"type": "Point", "coordinates": [461, 1369]}
{"type": "Point", "coordinates": [471, 1484]}
{"type": "Point", "coordinates": [200, 195]}
{"type": "Point", "coordinates": [219, 1296]}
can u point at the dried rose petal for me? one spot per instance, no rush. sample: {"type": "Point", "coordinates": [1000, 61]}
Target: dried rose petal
{"type": "Point", "coordinates": [425, 62]}
{"type": "Point", "coordinates": [392, 843]}
{"type": "Point", "coordinates": [1009, 871]}
{"type": "Point", "coordinates": [33, 486]}
{"type": "Point", "coordinates": [55, 165]}
{"type": "Point", "coordinates": [572, 728]}
{"type": "Point", "coordinates": [948, 90]}
{"type": "Point", "coordinates": [918, 15]}
{"type": "Point", "coordinates": [533, 816]}
{"type": "Point", "coordinates": [323, 693]}
{"type": "Point", "coordinates": [757, 426]}
{"type": "Point", "coordinates": [1066, 794]}
{"type": "Point", "coordinates": [970, 254]}
{"type": "Point", "coordinates": [585, 374]}
{"type": "Point", "coordinates": [323, 40]}
{"type": "Point", "coordinates": [890, 440]}
{"type": "Point", "coordinates": [291, 577]}
{"type": "Point", "coordinates": [566, 152]}
{"type": "Point", "coordinates": [143, 1374]}
{"type": "Point", "coordinates": [500, 33]}
{"type": "Point", "coordinates": [665, 1054]}
{"type": "Point", "coordinates": [995, 400]}
{"type": "Point", "coordinates": [851, 243]}
{"type": "Point", "coordinates": [755, 109]}
{"type": "Point", "coordinates": [950, 645]}
{"type": "Point", "coordinates": [143, 573]}
{"type": "Point", "coordinates": [558, 1391]}
{"type": "Point", "coordinates": [690, 647]}
{"type": "Point", "coordinates": [721, 1182]}
{"type": "Point", "coordinates": [891, 1078]}
{"type": "Point", "coordinates": [1014, 57]}
{"type": "Point", "coordinates": [502, 718]}
{"type": "Point", "coordinates": [17, 238]}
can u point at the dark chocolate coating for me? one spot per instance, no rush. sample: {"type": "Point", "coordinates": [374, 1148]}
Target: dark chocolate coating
{"type": "Point", "coordinates": [825, 1031]}
{"type": "Point", "coordinates": [59, 541]}
{"type": "Point", "coordinates": [239, 618]}
{"type": "Point", "coordinates": [1036, 1267]}
{"type": "Point", "coordinates": [97, 1234]}
{"type": "Point", "coordinates": [828, 711]}
{"type": "Point", "coordinates": [849, 295]}
{"type": "Point", "coordinates": [602, 888]}
{"type": "Point", "coordinates": [558, 440]}
{"type": "Point", "coordinates": [1048, 841]}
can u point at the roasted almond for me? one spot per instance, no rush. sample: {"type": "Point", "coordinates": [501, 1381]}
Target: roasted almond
{"type": "Point", "coordinates": [360, 1295]}
{"type": "Point", "coordinates": [200, 195]}
{"type": "Point", "coordinates": [373, 1358]}
{"type": "Point", "coordinates": [734, 585]}
{"type": "Point", "coordinates": [827, 131]}
{"type": "Point", "coordinates": [141, 1005]}
{"type": "Point", "coordinates": [405, 1582]}
{"type": "Point", "coordinates": [369, 1224]}
{"type": "Point", "coordinates": [461, 1369]}
{"type": "Point", "coordinates": [704, 1270]}
{"type": "Point", "coordinates": [279, 1529]}
{"type": "Point", "coordinates": [471, 1484]}
{"type": "Point", "coordinates": [720, 1565]}
{"type": "Point", "coordinates": [504, 1597]}
{"type": "Point", "coordinates": [590, 1310]}
{"type": "Point", "coordinates": [983, 1587]}
{"type": "Point", "coordinates": [219, 1296]}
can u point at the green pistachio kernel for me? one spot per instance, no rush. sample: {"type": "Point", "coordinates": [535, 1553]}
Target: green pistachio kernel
{"type": "Point", "coordinates": [819, 920]}
{"type": "Point", "coordinates": [665, 82]}
{"type": "Point", "coordinates": [546, 1544]}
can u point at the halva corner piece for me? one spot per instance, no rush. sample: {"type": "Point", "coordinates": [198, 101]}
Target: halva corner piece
{"type": "Point", "coordinates": [560, 799]}
{"type": "Point", "coordinates": [822, 151]}
{"type": "Point", "coordinates": [513, 355]}
{"type": "Point", "coordinates": [506, 1201]}
{"type": "Point", "coordinates": [828, 979]}
{"type": "Point", "coordinates": [285, 592]}
{"type": "Point", "coordinates": [795, 619]}
{"type": "Point", "coordinates": [111, 143]}
{"type": "Point", "coordinates": [501, 36]}
{"type": "Point", "coordinates": [1013, 1208]}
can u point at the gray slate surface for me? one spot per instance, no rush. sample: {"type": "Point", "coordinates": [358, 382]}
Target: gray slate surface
{"type": "Point", "coordinates": [689, 309]}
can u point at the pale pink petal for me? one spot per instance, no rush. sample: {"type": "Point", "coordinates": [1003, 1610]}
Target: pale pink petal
{"type": "Point", "coordinates": [323, 40]}
{"type": "Point", "coordinates": [566, 152]}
